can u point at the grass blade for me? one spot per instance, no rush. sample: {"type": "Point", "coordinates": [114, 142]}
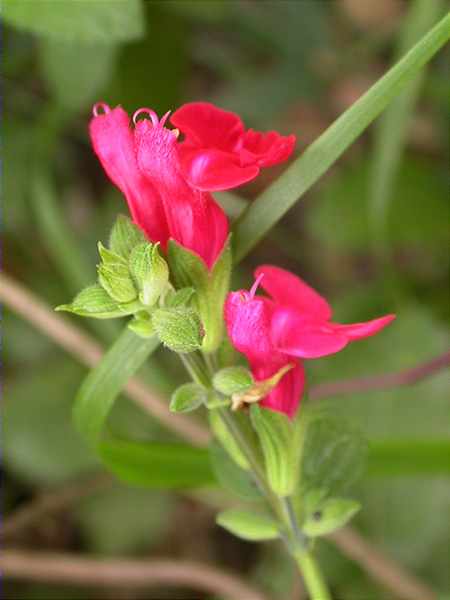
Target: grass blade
{"type": "Point", "coordinates": [274, 202]}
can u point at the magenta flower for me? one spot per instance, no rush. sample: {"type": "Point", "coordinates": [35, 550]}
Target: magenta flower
{"type": "Point", "coordinates": [293, 324]}
{"type": "Point", "coordinates": [166, 183]}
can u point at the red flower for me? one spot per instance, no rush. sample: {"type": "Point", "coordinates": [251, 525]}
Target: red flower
{"type": "Point", "coordinates": [218, 153]}
{"type": "Point", "coordinates": [166, 183]}
{"type": "Point", "coordinates": [294, 324]}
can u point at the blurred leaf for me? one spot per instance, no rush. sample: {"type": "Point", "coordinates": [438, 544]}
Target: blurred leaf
{"type": "Point", "coordinates": [76, 73]}
{"type": "Point", "coordinates": [275, 201]}
{"type": "Point", "coordinates": [333, 455]}
{"type": "Point", "coordinates": [208, 12]}
{"type": "Point", "coordinates": [230, 476]}
{"type": "Point", "coordinates": [401, 458]}
{"type": "Point", "coordinates": [39, 442]}
{"type": "Point", "coordinates": [101, 387]}
{"type": "Point", "coordinates": [100, 21]}
{"type": "Point", "coordinates": [157, 465]}
{"type": "Point", "coordinates": [249, 525]}
{"type": "Point", "coordinates": [124, 521]}
{"type": "Point", "coordinates": [333, 514]}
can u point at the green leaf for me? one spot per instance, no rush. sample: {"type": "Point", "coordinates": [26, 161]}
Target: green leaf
{"type": "Point", "coordinates": [103, 384]}
{"type": "Point", "coordinates": [274, 202]}
{"type": "Point", "coordinates": [75, 73]}
{"type": "Point", "coordinates": [397, 458]}
{"type": "Point", "coordinates": [249, 525]}
{"type": "Point", "coordinates": [276, 435]}
{"type": "Point", "coordinates": [157, 465]}
{"type": "Point", "coordinates": [178, 328]}
{"type": "Point", "coordinates": [211, 287]}
{"type": "Point", "coordinates": [125, 236]}
{"type": "Point", "coordinates": [230, 476]}
{"type": "Point", "coordinates": [95, 302]}
{"type": "Point", "coordinates": [232, 380]}
{"type": "Point", "coordinates": [188, 397]}
{"type": "Point", "coordinates": [331, 515]}
{"type": "Point", "coordinates": [116, 281]}
{"type": "Point", "coordinates": [334, 454]}
{"type": "Point", "coordinates": [106, 22]}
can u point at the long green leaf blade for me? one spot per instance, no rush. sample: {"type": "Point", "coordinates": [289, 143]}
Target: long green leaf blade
{"type": "Point", "coordinates": [157, 465]}
{"type": "Point", "coordinates": [103, 384]}
{"type": "Point", "coordinates": [274, 202]}
{"type": "Point", "coordinates": [398, 458]}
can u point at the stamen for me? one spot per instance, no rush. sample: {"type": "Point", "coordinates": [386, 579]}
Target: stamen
{"type": "Point", "coordinates": [146, 111]}
{"type": "Point", "coordinates": [164, 118]}
{"type": "Point", "coordinates": [100, 108]}
{"type": "Point", "coordinates": [175, 132]}
{"type": "Point", "coordinates": [256, 285]}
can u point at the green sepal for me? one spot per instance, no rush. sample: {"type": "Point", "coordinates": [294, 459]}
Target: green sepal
{"type": "Point", "coordinates": [232, 380]}
{"type": "Point", "coordinates": [150, 271]}
{"type": "Point", "coordinates": [251, 526]}
{"type": "Point", "coordinates": [188, 397]}
{"type": "Point", "coordinates": [189, 270]}
{"type": "Point", "coordinates": [124, 236]}
{"type": "Point", "coordinates": [178, 328]}
{"type": "Point", "coordinates": [277, 438]}
{"type": "Point", "coordinates": [116, 281]}
{"type": "Point", "coordinates": [224, 436]}
{"type": "Point", "coordinates": [95, 302]}
{"type": "Point", "coordinates": [143, 327]}
{"type": "Point", "coordinates": [182, 297]}
{"type": "Point", "coordinates": [329, 516]}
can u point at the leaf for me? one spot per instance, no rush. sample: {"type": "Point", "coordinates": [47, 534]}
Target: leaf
{"type": "Point", "coordinates": [331, 515]}
{"type": "Point", "coordinates": [105, 22]}
{"type": "Point", "coordinates": [232, 380]}
{"type": "Point", "coordinates": [95, 302]}
{"type": "Point", "coordinates": [103, 384]}
{"type": "Point", "coordinates": [125, 236]}
{"type": "Point", "coordinates": [274, 202]}
{"type": "Point", "coordinates": [334, 454]}
{"type": "Point", "coordinates": [277, 441]}
{"type": "Point", "coordinates": [188, 270]}
{"type": "Point", "coordinates": [76, 73]}
{"type": "Point", "coordinates": [231, 476]}
{"type": "Point", "coordinates": [188, 397]}
{"type": "Point", "coordinates": [249, 525]}
{"type": "Point", "coordinates": [157, 465]}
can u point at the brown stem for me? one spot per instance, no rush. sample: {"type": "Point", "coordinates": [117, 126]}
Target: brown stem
{"type": "Point", "coordinates": [69, 569]}
{"type": "Point", "coordinates": [402, 583]}
{"type": "Point", "coordinates": [382, 382]}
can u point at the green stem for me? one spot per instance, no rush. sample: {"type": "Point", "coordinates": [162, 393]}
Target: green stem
{"type": "Point", "coordinates": [312, 576]}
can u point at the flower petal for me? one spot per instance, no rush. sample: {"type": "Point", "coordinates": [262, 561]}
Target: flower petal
{"type": "Point", "coordinates": [213, 170]}
{"type": "Point", "coordinates": [289, 290]}
{"type": "Point", "coordinates": [206, 126]}
{"type": "Point", "coordinates": [265, 149]}
{"type": "Point", "coordinates": [358, 331]}
{"type": "Point", "coordinates": [286, 395]}
{"type": "Point", "coordinates": [298, 335]}
{"type": "Point", "coordinates": [113, 142]}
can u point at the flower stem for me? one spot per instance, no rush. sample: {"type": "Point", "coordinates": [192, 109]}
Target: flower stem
{"type": "Point", "coordinates": [312, 576]}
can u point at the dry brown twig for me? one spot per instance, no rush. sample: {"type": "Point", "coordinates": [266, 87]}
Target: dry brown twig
{"type": "Point", "coordinates": [81, 345]}
{"type": "Point", "coordinates": [113, 573]}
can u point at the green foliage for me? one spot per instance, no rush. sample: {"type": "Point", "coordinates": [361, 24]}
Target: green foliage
{"type": "Point", "coordinates": [188, 397]}
{"type": "Point", "coordinates": [106, 22]}
{"type": "Point", "coordinates": [230, 476]}
{"type": "Point", "coordinates": [150, 271]}
{"type": "Point", "coordinates": [251, 526]}
{"type": "Point", "coordinates": [125, 236]}
{"type": "Point", "coordinates": [142, 325]}
{"type": "Point", "coordinates": [329, 516]}
{"type": "Point", "coordinates": [232, 380]}
{"type": "Point", "coordinates": [179, 329]}
{"type": "Point", "coordinates": [223, 434]}
{"type": "Point", "coordinates": [182, 297]}
{"type": "Point", "coordinates": [114, 276]}
{"type": "Point", "coordinates": [211, 287]}
{"type": "Point", "coordinates": [95, 302]}
{"type": "Point", "coordinates": [276, 435]}
{"type": "Point", "coordinates": [101, 387]}
{"type": "Point", "coordinates": [397, 458]}
{"type": "Point", "coordinates": [156, 464]}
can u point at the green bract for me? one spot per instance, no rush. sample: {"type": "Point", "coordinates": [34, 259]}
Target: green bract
{"type": "Point", "coordinates": [188, 397]}
{"type": "Point", "coordinates": [232, 380]}
{"type": "Point", "coordinates": [178, 328]}
{"type": "Point", "coordinates": [150, 272]}
{"type": "Point", "coordinates": [95, 302]}
{"type": "Point", "coordinates": [249, 525]}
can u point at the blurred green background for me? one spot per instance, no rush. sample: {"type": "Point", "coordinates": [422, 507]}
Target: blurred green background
{"type": "Point", "coordinates": [290, 65]}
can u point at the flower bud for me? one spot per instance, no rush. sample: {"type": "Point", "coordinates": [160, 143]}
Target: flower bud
{"type": "Point", "coordinates": [114, 276]}
{"type": "Point", "coordinates": [150, 271]}
{"type": "Point", "coordinates": [178, 328]}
